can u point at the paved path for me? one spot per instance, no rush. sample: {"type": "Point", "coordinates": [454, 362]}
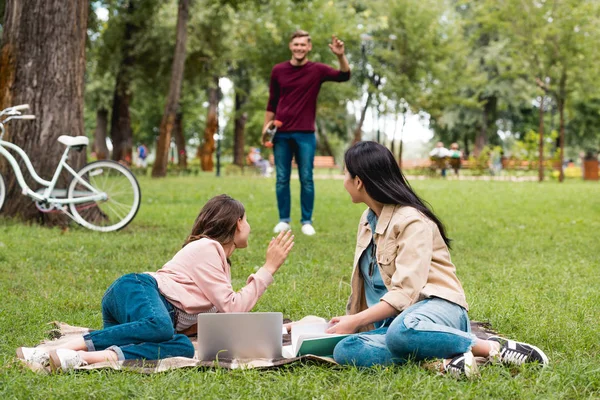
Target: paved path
{"type": "Point", "coordinates": [450, 178]}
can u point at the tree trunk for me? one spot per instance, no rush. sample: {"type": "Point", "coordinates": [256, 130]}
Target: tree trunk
{"type": "Point", "coordinates": [375, 112]}
{"type": "Point", "coordinates": [43, 63]}
{"type": "Point", "coordinates": [243, 85]}
{"type": "Point", "coordinates": [541, 143]}
{"type": "Point", "coordinates": [180, 140]}
{"type": "Point", "coordinates": [100, 147]}
{"type": "Point", "coordinates": [467, 152]}
{"type": "Point", "coordinates": [361, 121]}
{"type": "Point", "coordinates": [393, 144]}
{"type": "Point", "coordinates": [323, 141]}
{"type": "Point", "coordinates": [239, 129]}
{"type": "Point", "coordinates": [488, 120]}
{"type": "Point", "coordinates": [401, 145]}
{"type": "Point", "coordinates": [166, 126]}
{"type": "Point", "coordinates": [120, 124]}
{"type": "Point", "coordinates": [562, 94]}
{"type": "Point", "coordinates": [206, 150]}
{"type": "Point", "coordinates": [561, 111]}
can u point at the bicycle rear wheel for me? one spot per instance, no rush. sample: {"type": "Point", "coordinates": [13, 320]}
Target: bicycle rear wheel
{"type": "Point", "coordinates": [2, 191]}
{"type": "Point", "coordinates": [122, 201]}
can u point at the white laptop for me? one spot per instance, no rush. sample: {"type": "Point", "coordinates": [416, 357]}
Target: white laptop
{"type": "Point", "coordinates": [239, 335]}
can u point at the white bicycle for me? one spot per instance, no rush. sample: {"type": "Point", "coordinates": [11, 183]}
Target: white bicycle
{"type": "Point", "coordinates": [103, 196]}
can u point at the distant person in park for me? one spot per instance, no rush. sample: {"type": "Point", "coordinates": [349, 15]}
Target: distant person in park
{"type": "Point", "coordinates": [455, 157]}
{"type": "Point", "coordinates": [293, 92]}
{"type": "Point", "coordinates": [142, 151]}
{"type": "Point", "coordinates": [255, 158]}
{"type": "Point", "coordinates": [438, 155]}
{"type": "Point", "coordinates": [406, 297]}
{"type": "Point", "coordinates": [149, 315]}
{"type": "Point", "coordinates": [496, 161]}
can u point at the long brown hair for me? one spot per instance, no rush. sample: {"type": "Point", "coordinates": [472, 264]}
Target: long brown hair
{"type": "Point", "coordinates": [377, 168]}
{"type": "Point", "coordinates": [217, 220]}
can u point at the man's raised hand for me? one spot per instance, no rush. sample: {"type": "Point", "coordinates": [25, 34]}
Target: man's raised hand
{"type": "Point", "coordinates": [336, 46]}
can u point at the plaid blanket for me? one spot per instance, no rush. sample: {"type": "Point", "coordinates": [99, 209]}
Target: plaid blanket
{"type": "Point", "coordinates": [61, 332]}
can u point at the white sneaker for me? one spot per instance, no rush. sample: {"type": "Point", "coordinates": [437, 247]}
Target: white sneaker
{"type": "Point", "coordinates": [308, 230]}
{"type": "Point", "coordinates": [282, 226]}
{"type": "Point", "coordinates": [33, 355]}
{"type": "Point", "coordinates": [65, 360]}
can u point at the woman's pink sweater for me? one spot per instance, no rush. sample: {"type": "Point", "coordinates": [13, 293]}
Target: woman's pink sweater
{"type": "Point", "coordinates": [198, 278]}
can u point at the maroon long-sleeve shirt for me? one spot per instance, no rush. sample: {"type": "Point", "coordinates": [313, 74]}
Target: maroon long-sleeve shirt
{"type": "Point", "coordinates": [293, 93]}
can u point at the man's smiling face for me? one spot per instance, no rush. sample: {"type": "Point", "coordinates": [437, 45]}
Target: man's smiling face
{"type": "Point", "coordinates": [300, 47]}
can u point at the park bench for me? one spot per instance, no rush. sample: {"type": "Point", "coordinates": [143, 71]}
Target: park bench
{"type": "Point", "coordinates": [319, 162]}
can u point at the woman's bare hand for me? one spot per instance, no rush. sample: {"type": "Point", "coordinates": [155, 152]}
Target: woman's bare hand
{"type": "Point", "coordinates": [343, 324]}
{"type": "Point", "coordinates": [278, 250]}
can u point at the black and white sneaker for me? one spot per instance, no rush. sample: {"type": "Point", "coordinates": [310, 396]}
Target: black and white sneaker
{"type": "Point", "coordinates": [462, 366]}
{"type": "Point", "coordinates": [517, 353]}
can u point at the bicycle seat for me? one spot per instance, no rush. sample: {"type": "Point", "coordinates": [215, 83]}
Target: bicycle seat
{"type": "Point", "coordinates": [72, 141]}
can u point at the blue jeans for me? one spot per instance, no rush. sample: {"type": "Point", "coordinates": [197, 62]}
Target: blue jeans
{"type": "Point", "coordinates": [431, 328]}
{"type": "Point", "coordinates": [138, 322]}
{"type": "Point", "coordinates": [302, 146]}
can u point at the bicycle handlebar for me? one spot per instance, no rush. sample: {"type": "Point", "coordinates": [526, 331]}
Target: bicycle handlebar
{"type": "Point", "coordinates": [5, 120]}
{"type": "Point", "coordinates": [14, 110]}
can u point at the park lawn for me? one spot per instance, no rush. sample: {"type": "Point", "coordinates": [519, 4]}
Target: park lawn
{"type": "Point", "coordinates": [527, 254]}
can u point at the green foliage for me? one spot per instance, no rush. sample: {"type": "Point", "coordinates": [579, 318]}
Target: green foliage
{"type": "Point", "coordinates": [526, 254]}
{"type": "Point", "coordinates": [528, 148]}
{"type": "Point", "coordinates": [446, 58]}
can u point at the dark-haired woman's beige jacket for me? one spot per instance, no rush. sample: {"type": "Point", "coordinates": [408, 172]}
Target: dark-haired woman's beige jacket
{"type": "Point", "coordinates": [413, 259]}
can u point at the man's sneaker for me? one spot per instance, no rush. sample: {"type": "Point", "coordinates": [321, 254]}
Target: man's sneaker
{"type": "Point", "coordinates": [33, 355]}
{"type": "Point", "coordinates": [282, 226]}
{"type": "Point", "coordinates": [65, 360]}
{"type": "Point", "coordinates": [462, 366]}
{"type": "Point", "coordinates": [517, 353]}
{"type": "Point", "coordinates": [308, 230]}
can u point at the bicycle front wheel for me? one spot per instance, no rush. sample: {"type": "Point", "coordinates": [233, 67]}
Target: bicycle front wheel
{"type": "Point", "coordinates": [121, 201]}
{"type": "Point", "coordinates": [2, 191]}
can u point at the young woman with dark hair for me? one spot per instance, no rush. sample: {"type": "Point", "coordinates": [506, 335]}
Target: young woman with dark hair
{"type": "Point", "coordinates": [149, 315]}
{"type": "Point", "coordinates": [406, 297]}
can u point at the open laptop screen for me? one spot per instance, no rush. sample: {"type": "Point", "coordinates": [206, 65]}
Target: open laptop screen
{"type": "Point", "coordinates": [239, 335]}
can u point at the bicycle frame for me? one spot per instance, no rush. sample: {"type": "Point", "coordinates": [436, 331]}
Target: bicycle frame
{"type": "Point", "coordinates": [49, 185]}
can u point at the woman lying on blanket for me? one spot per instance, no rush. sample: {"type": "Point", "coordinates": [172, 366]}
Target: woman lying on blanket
{"type": "Point", "coordinates": [405, 291]}
{"type": "Point", "coordinates": [147, 315]}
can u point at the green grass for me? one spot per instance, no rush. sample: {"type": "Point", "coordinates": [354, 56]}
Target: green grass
{"type": "Point", "coordinates": [527, 255]}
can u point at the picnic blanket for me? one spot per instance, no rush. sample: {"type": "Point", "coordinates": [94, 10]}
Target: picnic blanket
{"type": "Point", "coordinates": [61, 332]}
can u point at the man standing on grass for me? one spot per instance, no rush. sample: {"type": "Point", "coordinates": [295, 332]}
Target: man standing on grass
{"type": "Point", "coordinates": [293, 92]}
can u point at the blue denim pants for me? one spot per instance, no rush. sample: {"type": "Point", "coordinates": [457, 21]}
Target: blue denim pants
{"type": "Point", "coordinates": [138, 322]}
{"type": "Point", "coordinates": [302, 146]}
{"type": "Point", "coordinates": [431, 328]}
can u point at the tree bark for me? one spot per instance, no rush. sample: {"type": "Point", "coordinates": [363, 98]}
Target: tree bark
{"type": "Point", "coordinates": [361, 121]}
{"type": "Point", "coordinates": [467, 152]}
{"type": "Point", "coordinates": [393, 143]}
{"type": "Point", "coordinates": [541, 143]}
{"type": "Point", "coordinates": [239, 129]}
{"type": "Point", "coordinates": [401, 144]}
{"type": "Point", "coordinates": [43, 63]}
{"type": "Point", "coordinates": [562, 97]}
{"type": "Point", "coordinates": [243, 85]}
{"type": "Point", "coordinates": [561, 111]}
{"type": "Point", "coordinates": [166, 126]}
{"type": "Point", "coordinates": [323, 141]}
{"type": "Point", "coordinates": [120, 124]}
{"type": "Point", "coordinates": [180, 140]}
{"type": "Point", "coordinates": [206, 150]}
{"type": "Point", "coordinates": [488, 119]}
{"type": "Point", "coordinates": [100, 147]}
